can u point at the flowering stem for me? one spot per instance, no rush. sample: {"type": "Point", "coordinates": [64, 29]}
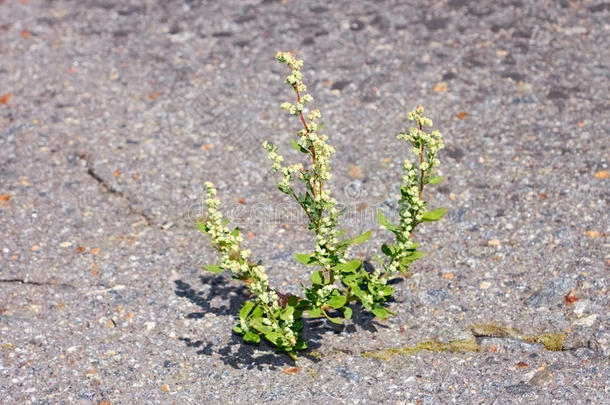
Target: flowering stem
{"type": "Point", "coordinates": [421, 170]}
{"type": "Point", "coordinates": [311, 148]}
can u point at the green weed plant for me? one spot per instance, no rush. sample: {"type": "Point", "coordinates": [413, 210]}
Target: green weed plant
{"type": "Point", "coordinates": [337, 282]}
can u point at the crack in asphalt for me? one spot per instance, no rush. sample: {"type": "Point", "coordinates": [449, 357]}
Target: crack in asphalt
{"type": "Point", "coordinates": [34, 283]}
{"type": "Point", "coordinates": [109, 188]}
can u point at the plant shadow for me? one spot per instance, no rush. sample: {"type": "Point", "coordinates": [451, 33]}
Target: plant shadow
{"type": "Point", "coordinates": [239, 354]}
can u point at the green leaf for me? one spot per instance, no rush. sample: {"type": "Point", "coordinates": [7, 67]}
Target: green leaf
{"type": "Point", "coordinates": [296, 146]}
{"type": "Point", "coordinates": [292, 301]}
{"type": "Point", "coordinates": [383, 221]}
{"type": "Point", "coordinates": [305, 199]}
{"type": "Point", "coordinates": [357, 291]}
{"type": "Point", "coordinates": [412, 257]}
{"type": "Point", "coordinates": [434, 215]}
{"type": "Point", "coordinates": [317, 277]}
{"type": "Point", "coordinates": [304, 258]}
{"type": "Point", "coordinates": [435, 180]}
{"type": "Point", "coordinates": [347, 313]}
{"type": "Point", "coordinates": [387, 250]}
{"type": "Point", "coordinates": [357, 239]}
{"type": "Point", "coordinates": [403, 268]}
{"type": "Point", "coordinates": [347, 267]}
{"type": "Point", "coordinates": [287, 313]}
{"type": "Point", "coordinates": [237, 329]}
{"type": "Point", "coordinates": [297, 325]}
{"type": "Point", "coordinates": [286, 189]}
{"type": "Point", "coordinates": [202, 226]}
{"type": "Point", "coordinates": [275, 338]}
{"type": "Point", "coordinates": [235, 232]}
{"type": "Point", "coordinates": [214, 268]}
{"type": "Point", "coordinates": [300, 304]}
{"type": "Point", "coordinates": [258, 312]}
{"type": "Point", "coordinates": [337, 301]}
{"type": "Point", "coordinates": [257, 323]}
{"type": "Point", "coordinates": [380, 312]}
{"type": "Point", "coordinates": [387, 290]}
{"type": "Point", "coordinates": [300, 345]}
{"type": "Point", "coordinates": [315, 312]}
{"type": "Point", "coordinates": [414, 246]}
{"type": "Point", "coordinates": [252, 337]}
{"type": "Point", "coordinates": [310, 293]}
{"type": "Point", "coordinates": [246, 309]}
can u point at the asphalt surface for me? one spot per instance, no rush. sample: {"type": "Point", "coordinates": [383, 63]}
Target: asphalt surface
{"type": "Point", "coordinates": [114, 113]}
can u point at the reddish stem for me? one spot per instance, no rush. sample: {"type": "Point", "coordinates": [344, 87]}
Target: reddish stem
{"type": "Point", "coordinates": [421, 171]}
{"type": "Point", "coordinates": [311, 148]}
{"type": "Point", "coordinates": [331, 275]}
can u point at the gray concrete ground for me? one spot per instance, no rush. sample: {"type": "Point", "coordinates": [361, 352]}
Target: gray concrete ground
{"type": "Point", "coordinates": [114, 113]}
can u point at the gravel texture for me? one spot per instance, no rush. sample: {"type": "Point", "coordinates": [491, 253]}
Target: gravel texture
{"type": "Point", "coordinates": [114, 113]}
